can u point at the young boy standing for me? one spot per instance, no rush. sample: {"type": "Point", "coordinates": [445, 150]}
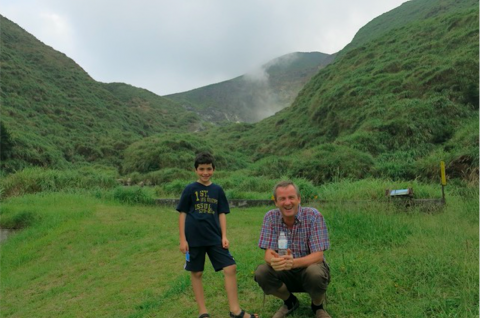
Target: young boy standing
{"type": "Point", "coordinates": [203, 230]}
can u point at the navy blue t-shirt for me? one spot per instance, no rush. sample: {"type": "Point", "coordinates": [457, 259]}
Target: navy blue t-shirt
{"type": "Point", "coordinates": [203, 204]}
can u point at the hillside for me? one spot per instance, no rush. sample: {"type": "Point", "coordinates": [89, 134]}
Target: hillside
{"type": "Point", "coordinates": [393, 107]}
{"type": "Point", "coordinates": [393, 104]}
{"type": "Point", "coordinates": [54, 114]}
{"type": "Point", "coordinates": [405, 14]}
{"type": "Point", "coordinates": [255, 95]}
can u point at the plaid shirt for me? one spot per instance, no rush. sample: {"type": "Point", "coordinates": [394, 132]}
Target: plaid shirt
{"type": "Point", "coordinates": [308, 235]}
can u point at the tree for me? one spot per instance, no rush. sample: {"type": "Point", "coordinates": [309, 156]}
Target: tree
{"type": "Point", "coordinates": [6, 143]}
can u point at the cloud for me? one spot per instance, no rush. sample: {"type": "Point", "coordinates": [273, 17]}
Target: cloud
{"type": "Point", "coordinates": [172, 46]}
{"type": "Point", "coordinates": [57, 28]}
{"type": "Point", "coordinates": [257, 75]}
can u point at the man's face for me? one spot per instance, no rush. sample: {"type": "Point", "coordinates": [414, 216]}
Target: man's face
{"type": "Point", "coordinates": [287, 201]}
{"type": "Point", "coordinates": [204, 173]}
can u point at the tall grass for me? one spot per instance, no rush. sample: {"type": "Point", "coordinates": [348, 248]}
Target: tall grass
{"type": "Point", "coordinates": [80, 256]}
{"type": "Point", "coordinates": [33, 180]}
{"type": "Point", "coordinates": [169, 183]}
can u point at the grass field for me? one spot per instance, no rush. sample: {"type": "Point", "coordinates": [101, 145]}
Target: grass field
{"type": "Point", "coordinates": [81, 256]}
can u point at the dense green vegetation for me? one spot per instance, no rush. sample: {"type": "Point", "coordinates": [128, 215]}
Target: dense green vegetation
{"type": "Point", "coordinates": [395, 106]}
{"type": "Point", "coordinates": [400, 98]}
{"type": "Point", "coordinates": [258, 94]}
{"type": "Point", "coordinates": [84, 254]}
{"type": "Point", "coordinates": [56, 115]}
{"type": "Point", "coordinates": [405, 14]}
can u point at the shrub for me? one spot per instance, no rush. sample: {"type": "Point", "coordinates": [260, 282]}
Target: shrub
{"type": "Point", "coordinates": [163, 151]}
{"type": "Point", "coordinates": [166, 175]}
{"type": "Point", "coordinates": [18, 220]}
{"type": "Point", "coordinates": [272, 166]}
{"type": "Point", "coordinates": [397, 166]}
{"type": "Point", "coordinates": [331, 162]}
{"type": "Point", "coordinates": [6, 143]}
{"type": "Point", "coordinates": [245, 195]}
{"type": "Point", "coordinates": [308, 192]}
{"type": "Point", "coordinates": [255, 184]}
{"type": "Point", "coordinates": [33, 180]}
{"type": "Point", "coordinates": [176, 187]}
{"type": "Point", "coordinates": [132, 195]}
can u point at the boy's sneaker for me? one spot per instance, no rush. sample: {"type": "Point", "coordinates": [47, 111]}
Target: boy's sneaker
{"type": "Point", "coordinates": [284, 311]}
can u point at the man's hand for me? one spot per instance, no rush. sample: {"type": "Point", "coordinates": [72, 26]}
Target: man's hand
{"type": "Point", "coordinates": [282, 263]}
{"type": "Point", "coordinates": [184, 246]}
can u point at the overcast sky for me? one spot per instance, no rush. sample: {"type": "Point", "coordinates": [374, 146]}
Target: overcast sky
{"type": "Point", "coordinates": [170, 46]}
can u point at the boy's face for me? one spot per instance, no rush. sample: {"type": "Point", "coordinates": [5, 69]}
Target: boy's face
{"type": "Point", "coordinates": [204, 173]}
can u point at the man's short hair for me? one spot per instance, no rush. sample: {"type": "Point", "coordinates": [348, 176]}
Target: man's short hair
{"type": "Point", "coordinates": [204, 158]}
{"type": "Point", "coordinates": [284, 184]}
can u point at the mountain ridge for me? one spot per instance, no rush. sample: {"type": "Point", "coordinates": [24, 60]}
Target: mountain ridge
{"type": "Point", "coordinates": [256, 94]}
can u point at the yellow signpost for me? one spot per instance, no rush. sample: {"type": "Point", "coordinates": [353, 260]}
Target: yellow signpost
{"type": "Point", "coordinates": [442, 172]}
{"type": "Point", "coordinates": [444, 179]}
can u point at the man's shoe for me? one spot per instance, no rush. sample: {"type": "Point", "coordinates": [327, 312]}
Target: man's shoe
{"type": "Point", "coordinates": [284, 311]}
{"type": "Point", "coordinates": [322, 313]}
{"type": "Point", "coordinates": [319, 311]}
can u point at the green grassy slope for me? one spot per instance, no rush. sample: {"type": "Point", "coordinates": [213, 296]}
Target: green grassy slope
{"type": "Point", "coordinates": [395, 106]}
{"type": "Point", "coordinates": [408, 12]}
{"type": "Point", "coordinates": [56, 114]}
{"type": "Point", "coordinates": [254, 96]}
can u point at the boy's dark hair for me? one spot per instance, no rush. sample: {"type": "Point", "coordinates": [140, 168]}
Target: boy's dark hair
{"type": "Point", "coordinates": [204, 158]}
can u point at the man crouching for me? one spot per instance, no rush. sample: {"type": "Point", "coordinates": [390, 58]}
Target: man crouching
{"type": "Point", "coordinates": [303, 268]}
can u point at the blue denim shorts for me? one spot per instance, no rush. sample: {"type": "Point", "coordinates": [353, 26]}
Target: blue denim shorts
{"type": "Point", "coordinates": [219, 257]}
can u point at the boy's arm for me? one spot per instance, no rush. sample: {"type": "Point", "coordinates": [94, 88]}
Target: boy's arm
{"type": "Point", "coordinates": [223, 226]}
{"type": "Point", "coordinates": [181, 229]}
